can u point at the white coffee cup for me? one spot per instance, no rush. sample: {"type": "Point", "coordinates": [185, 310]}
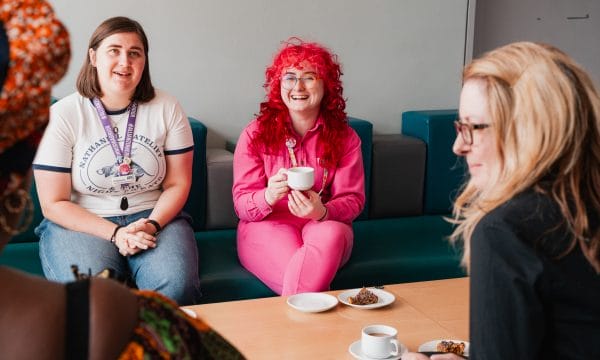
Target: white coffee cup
{"type": "Point", "coordinates": [379, 341]}
{"type": "Point", "coordinates": [300, 178]}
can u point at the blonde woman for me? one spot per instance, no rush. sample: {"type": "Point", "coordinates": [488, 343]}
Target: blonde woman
{"type": "Point", "coordinates": [529, 130]}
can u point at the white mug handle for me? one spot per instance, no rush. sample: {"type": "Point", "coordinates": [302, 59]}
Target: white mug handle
{"type": "Point", "coordinates": [396, 347]}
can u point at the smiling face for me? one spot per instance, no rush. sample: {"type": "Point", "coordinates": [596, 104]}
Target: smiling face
{"type": "Point", "coordinates": [304, 98]}
{"type": "Point", "coordinates": [481, 156]}
{"type": "Point", "coordinates": [119, 61]}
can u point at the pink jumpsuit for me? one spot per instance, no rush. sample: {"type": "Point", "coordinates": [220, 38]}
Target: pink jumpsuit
{"type": "Point", "coordinates": [290, 254]}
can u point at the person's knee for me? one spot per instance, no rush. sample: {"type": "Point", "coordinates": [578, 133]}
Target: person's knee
{"type": "Point", "coordinates": [183, 289]}
{"type": "Point", "coordinates": [330, 234]}
{"type": "Point", "coordinates": [172, 274]}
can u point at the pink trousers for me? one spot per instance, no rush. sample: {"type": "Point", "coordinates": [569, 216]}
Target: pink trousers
{"type": "Point", "coordinates": [292, 255]}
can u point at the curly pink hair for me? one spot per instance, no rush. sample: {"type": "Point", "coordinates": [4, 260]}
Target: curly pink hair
{"type": "Point", "coordinates": [273, 116]}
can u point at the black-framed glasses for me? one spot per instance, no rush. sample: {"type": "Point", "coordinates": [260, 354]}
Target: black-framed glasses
{"type": "Point", "coordinates": [466, 130]}
{"type": "Point", "coordinates": [289, 81]}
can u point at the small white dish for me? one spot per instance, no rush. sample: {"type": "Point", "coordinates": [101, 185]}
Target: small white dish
{"type": "Point", "coordinates": [432, 345]}
{"type": "Point", "coordinates": [312, 302]}
{"type": "Point", "coordinates": [189, 312]}
{"type": "Point", "coordinates": [385, 298]}
{"type": "Point", "coordinates": [356, 350]}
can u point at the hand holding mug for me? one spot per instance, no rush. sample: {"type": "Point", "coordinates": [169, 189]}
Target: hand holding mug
{"type": "Point", "coordinates": [306, 205]}
{"type": "Point", "coordinates": [277, 187]}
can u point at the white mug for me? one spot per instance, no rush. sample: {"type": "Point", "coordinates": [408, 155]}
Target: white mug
{"type": "Point", "coordinates": [300, 178]}
{"type": "Point", "coordinates": [379, 341]}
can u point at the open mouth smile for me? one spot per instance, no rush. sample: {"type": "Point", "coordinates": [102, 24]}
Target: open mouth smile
{"type": "Point", "coordinates": [299, 97]}
{"type": "Point", "coordinates": [121, 73]}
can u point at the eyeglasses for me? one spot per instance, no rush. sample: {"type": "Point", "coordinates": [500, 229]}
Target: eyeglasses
{"type": "Point", "coordinates": [466, 130]}
{"type": "Point", "coordinates": [288, 81]}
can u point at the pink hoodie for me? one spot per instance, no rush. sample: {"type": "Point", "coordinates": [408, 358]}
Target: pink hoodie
{"type": "Point", "coordinates": [344, 194]}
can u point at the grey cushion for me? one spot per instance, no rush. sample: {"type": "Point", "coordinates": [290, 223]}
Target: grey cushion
{"type": "Point", "coordinates": [397, 176]}
{"type": "Point", "coordinates": [219, 200]}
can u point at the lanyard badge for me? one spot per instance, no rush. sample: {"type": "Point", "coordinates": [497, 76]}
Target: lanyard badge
{"type": "Point", "coordinates": [290, 143]}
{"type": "Point", "coordinates": [124, 166]}
{"type": "Point", "coordinates": [124, 175]}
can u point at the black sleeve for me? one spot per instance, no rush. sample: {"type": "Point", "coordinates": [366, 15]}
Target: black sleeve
{"type": "Point", "coordinates": [4, 55]}
{"type": "Point", "coordinates": [506, 315]}
{"type": "Point", "coordinates": [78, 315]}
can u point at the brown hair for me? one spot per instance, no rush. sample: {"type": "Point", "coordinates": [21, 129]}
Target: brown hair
{"type": "Point", "coordinates": [87, 80]}
{"type": "Point", "coordinates": [546, 115]}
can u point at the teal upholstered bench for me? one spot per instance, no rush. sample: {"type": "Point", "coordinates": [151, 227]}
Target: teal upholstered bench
{"type": "Point", "coordinates": [399, 237]}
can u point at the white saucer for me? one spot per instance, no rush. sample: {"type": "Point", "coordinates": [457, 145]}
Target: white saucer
{"type": "Point", "coordinates": [189, 312]}
{"type": "Point", "coordinates": [312, 302]}
{"type": "Point", "coordinates": [385, 298]}
{"type": "Point", "coordinates": [356, 351]}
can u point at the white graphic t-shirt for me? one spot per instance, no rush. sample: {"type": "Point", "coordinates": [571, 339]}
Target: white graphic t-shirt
{"type": "Point", "coordinates": [75, 142]}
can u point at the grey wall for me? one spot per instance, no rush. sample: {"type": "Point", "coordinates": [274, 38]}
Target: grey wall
{"type": "Point", "coordinates": [397, 55]}
{"type": "Point", "coordinates": [571, 25]}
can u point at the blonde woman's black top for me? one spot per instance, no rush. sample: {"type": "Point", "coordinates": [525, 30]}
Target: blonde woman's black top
{"type": "Point", "coordinates": [525, 302]}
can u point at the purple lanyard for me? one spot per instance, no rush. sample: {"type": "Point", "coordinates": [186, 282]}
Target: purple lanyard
{"type": "Point", "coordinates": [112, 139]}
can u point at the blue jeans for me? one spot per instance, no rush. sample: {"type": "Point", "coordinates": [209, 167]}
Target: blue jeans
{"type": "Point", "coordinates": [171, 268]}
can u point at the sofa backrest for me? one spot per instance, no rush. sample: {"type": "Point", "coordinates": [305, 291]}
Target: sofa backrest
{"type": "Point", "coordinates": [219, 199]}
{"type": "Point", "coordinates": [196, 202]}
{"type": "Point", "coordinates": [406, 174]}
{"type": "Point", "coordinates": [220, 213]}
{"type": "Point", "coordinates": [445, 172]}
{"type": "Point", "coordinates": [397, 173]}
{"type": "Point", "coordinates": [364, 129]}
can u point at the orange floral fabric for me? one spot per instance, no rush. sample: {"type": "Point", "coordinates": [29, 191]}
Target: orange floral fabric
{"type": "Point", "coordinates": [165, 332]}
{"type": "Point", "coordinates": [39, 53]}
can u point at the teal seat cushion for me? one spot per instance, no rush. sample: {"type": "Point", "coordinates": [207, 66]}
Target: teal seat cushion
{"type": "Point", "coordinates": [22, 256]}
{"type": "Point", "coordinates": [445, 172]}
{"type": "Point", "coordinates": [196, 202]}
{"type": "Point", "coordinates": [398, 250]}
{"type": "Point", "coordinates": [222, 277]}
{"type": "Point", "coordinates": [364, 129]}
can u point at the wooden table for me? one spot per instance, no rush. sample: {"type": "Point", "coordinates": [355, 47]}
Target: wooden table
{"type": "Point", "coordinates": [270, 329]}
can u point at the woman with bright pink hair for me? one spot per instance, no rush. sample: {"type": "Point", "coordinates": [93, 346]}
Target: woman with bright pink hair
{"type": "Point", "coordinates": [295, 241]}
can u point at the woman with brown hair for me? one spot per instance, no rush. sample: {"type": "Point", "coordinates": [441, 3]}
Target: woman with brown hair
{"type": "Point", "coordinates": [114, 170]}
{"type": "Point", "coordinates": [88, 318]}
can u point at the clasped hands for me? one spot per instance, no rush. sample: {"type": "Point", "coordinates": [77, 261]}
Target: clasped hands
{"type": "Point", "coordinates": [135, 237]}
{"type": "Point", "coordinates": [303, 204]}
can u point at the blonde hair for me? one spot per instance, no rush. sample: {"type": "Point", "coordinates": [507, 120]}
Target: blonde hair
{"type": "Point", "coordinates": [546, 116]}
